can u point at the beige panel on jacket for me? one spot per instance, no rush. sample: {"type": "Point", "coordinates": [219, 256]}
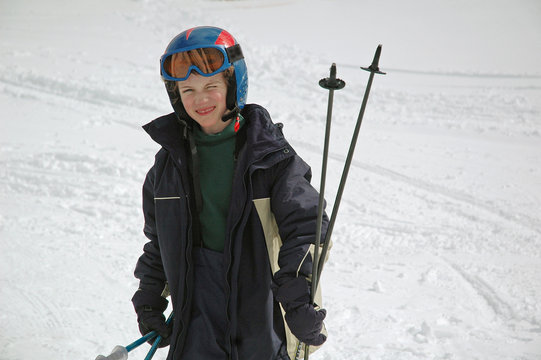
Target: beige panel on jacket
{"type": "Point", "coordinates": [272, 238]}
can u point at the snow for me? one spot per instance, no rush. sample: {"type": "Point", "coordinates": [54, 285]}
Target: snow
{"type": "Point", "coordinates": [437, 247]}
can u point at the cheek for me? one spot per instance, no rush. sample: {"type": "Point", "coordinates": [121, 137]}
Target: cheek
{"type": "Point", "coordinates": [187, 101]}
{"type": "Point", "coordinates": [221, 97]}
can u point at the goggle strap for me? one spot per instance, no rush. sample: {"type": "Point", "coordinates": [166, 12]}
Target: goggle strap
{"type": "Point", "coordinates": [234, 53]}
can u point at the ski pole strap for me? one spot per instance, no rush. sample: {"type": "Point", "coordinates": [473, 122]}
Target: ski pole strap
{"type": "Point", "coordinates": [298, 353]}
{"type": "Point", "coordinates": [306, 351]}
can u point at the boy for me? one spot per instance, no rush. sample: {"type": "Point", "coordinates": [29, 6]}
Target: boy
{"type": "Point", "coordinates": [230, 215]}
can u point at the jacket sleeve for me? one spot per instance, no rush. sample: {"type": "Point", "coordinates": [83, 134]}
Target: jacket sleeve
{"type": "Point", "coordinates": [294, 203]}
{"type": "Point", "coordinates": [149, 267]}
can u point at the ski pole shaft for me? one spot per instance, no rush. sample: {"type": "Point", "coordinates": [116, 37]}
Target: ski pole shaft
{"type": "Point", "coordinates": [154, 347]}
{"type": "Point", "coordinates": [331, 83]}
{"type": "Point", "coordinates": [373, 69]}
{"type": "Point", "coordinates": [141, 341]}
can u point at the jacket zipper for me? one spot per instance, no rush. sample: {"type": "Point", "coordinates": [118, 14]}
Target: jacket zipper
{"type": "Point", "coordinates": [229, 261]}
{"type": "Point", "coordinates": [285, 149]}
{"type": "Point", "coordinates": [188, 289]}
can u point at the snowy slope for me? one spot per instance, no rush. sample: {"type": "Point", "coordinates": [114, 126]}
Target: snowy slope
{"type": "Point", "coordinates": [438, 244]}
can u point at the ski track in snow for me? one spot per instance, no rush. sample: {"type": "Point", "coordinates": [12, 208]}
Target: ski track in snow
{"type": "Point", "coordinates": [27, 84]}
{"type": "Point", "coordinates": [500, 308]}
{"type": "Point", "coordinates": [524, 220]}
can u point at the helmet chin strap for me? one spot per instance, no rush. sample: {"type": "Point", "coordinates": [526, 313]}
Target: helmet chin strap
{"type": "Point", "coordinates": [231, 114]}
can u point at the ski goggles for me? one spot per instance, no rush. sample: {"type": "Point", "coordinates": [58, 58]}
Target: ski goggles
{"type": "Point", "coordinates": [207, 61]}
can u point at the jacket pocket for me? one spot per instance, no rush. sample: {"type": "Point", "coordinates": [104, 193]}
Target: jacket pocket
{"type": "Point", "coordinates": [167, 198]}
{"type": "Point", "coordinates": [171, 216]}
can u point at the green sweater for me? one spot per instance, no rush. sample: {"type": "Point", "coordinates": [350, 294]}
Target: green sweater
{"type": "Point", "coordinates": [216, 167]}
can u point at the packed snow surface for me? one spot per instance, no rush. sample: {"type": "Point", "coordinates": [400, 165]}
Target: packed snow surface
{"type": "Point", "coordinates": [437, 249]}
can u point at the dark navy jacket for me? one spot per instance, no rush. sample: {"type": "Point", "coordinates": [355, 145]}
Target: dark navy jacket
{"type": "Point", "coordinates": [267, 171]}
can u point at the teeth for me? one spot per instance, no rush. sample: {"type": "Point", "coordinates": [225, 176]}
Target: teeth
{"type": "Point", "coordinates": [205, 110]}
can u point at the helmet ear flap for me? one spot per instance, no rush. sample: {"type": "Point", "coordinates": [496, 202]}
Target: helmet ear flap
{"type": "Point", "coordinates": [172, 91]}
{"type": "Point", "coordinates": [231, 99]}
{"type": "Point", "coordinates": [174, 96]}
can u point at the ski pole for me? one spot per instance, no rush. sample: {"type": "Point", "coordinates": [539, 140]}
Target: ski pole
{"type": "Point", "coordinates": [373, 69]}
{"type": "Point", "coordinates": [141, 341]}
{"type": "Point", "coordinates": [121, 353]}
{"type": "Point", "coordinates": [331, 83]}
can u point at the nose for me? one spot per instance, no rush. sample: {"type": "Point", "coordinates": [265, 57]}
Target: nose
{"type": "Point", "coordinates": [200, 98]}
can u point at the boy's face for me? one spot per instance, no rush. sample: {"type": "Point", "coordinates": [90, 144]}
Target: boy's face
{"type": "Point", "coordinates": [204, 99]}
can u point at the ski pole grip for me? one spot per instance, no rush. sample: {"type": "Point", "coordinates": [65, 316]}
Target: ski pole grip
{"type": "Point", "coordinates": [118, 353]}
{"type": "Point", "coordinates": [332, 83]}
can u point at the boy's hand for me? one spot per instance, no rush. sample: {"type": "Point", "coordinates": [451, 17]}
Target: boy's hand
{"type": "Point", "coordinates": [304, 321]}
{"type": "Point", "coordinates": [149, 308]}
{"type": "Point", "coordinates": [150, 319]}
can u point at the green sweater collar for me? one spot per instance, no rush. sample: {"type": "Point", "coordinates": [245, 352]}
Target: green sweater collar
{"type": "Point", "coordinates": [226, 134]}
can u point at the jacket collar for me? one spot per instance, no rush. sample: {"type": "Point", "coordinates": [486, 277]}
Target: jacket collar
{"type": "Point", "coordinates": [166, 131]}
{"type": "Point", "coordinates": [262, 135]}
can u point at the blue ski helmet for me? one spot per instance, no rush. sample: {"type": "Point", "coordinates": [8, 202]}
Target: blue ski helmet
{"type": "Point", "coordinates": [207, 50]}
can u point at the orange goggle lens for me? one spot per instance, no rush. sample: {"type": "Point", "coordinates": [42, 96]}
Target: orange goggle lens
{"type": "Point", "coordinates": [205, 60]}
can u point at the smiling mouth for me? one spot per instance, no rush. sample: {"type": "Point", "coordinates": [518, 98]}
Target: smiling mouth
{"type": "Point", "coordinates": [205, 111]}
